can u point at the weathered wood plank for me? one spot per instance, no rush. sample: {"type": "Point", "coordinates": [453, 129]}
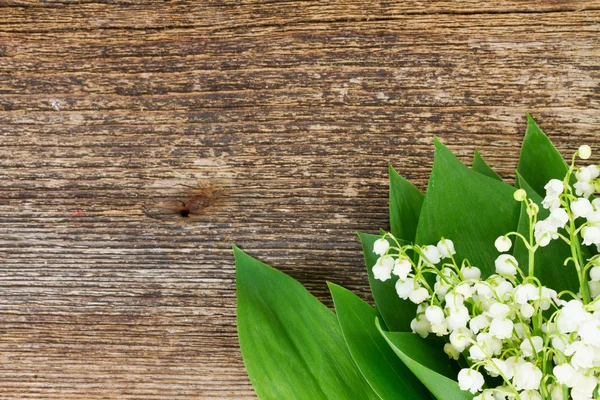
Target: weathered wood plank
{"type": "Point", "coordinates": [284, 115]}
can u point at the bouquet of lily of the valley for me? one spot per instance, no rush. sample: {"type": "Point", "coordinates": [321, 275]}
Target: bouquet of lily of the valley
{"type": "Point", "coordinates": [483, 291]}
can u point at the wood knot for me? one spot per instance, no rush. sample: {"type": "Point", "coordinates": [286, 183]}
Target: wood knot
{"type": "Point", "coordinates": [197, 202]}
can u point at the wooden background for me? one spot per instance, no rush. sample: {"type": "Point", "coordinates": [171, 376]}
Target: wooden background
{"type": "Point", "coordinates": [280, 117]}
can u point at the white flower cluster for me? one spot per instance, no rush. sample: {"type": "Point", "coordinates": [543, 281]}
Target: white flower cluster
{"type": "Point", "coordinates": [509, 325]}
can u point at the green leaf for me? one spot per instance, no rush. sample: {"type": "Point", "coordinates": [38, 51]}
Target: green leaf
{"type": "Point", "coordinates": [539, 160]}
{"type": "Point", "coordinates": [292, 344]}
{"type": "Point", "coordinates": [384, 371]}
{"type": "Point", "coordinates": [479, 165]}
{"type": "Point", "coordinates": [468, 208]}
{"type": "Point", "coordinates": [548, 266]}
{"type": "Point", "coordinates": [429, 363]}
{"type": "Point", "coordinates": [396, 313]}
{"type": "Point", "coordinates": [405, 207]}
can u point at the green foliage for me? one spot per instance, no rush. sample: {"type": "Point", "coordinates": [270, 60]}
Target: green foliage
{"type": "Point", "coordinates": [548, 266]}
{"type": "Point", "coordinates": [292, 344]}
{"type": "Point", "coordinates": [396, 313]}
{"type": "Point", "coordinates": [479, 165]}
{"type": "Point", "coordinates": [467, 207]}
{"type": "Point", "coordinates": [295, 348]}
{"type": "Point", "coordinates": [405, 207]}
{"type": "Point", "coordinates": [428, 362]}
{"type": "Point", "coordinates": [384, 371]}
{"type": "Point", "coordinates": [539, 161]}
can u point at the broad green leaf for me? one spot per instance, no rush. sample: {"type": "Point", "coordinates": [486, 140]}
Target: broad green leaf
{"type": "Point", "coordinates": [479, 165]}
{"type": "Point", "coordinates": [405, 207]}
{"type": "Point", "coordinates": [548, 265]}
{"type": "Point", "coordinates": [539, 160]}
{"type": "Point", "coordinates": [384, 371]}
{"type": "Point", "coordinates": [396, 313]}
{"type": "Point", "coordinates": [428, 362]}
{"type": "Point", "coordinates": [292, 344]}
{"type": "Point", "coordinates": [468, 208]}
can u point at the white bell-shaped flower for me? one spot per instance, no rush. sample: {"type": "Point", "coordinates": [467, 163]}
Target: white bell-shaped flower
{"type": "Point", "coordinates": [522, 330]}
{"type": "Point", "coordinates": [594, 288]}
{"type": "Point", "coordinates": [381, 246]}
{"type": "Point", "coordinates": [551, 202]}
{"type": "Point", "coordinates": [531, 346]}
{"type": "Point", "coordinates": [405, 288]}
{"type": "Point", "coordinates": [506, 264]}
{"type": "Point", "coordinates": [382, 269]}
{"type": "Point", "coordinates": [483, 290]}
{"type": "Point", "coordinates": [458, 318]}
{"type": "Point", "coordinates": [548, 296]}
{"type": "Point", "coordinates": [583, 386]}
{"type": "Point", "coordinates": [571, 316]}
{"type": "Point", "coordinates": [431, 254]}
{"type": "Point", "coordinates": [503, 244]}
{"type": "Point", "coordinates": [595, 273]}
{"type": "Point", "coordinates": [434, 314]}
{"type": "Point", "coordinates": [527, 376]}
{"type": "Point", "coordinates": [460, 339]}
{"type": "Point", "coordinates": [526, 292]}
{"type": "Point", "coordinates": [486, 346]}
{"type": "Point", "coordinates": [584, 189]}
{"type": "Point", "coordinates": [556, 392]}
{"type": "Point", "coordinates": [451, 351]}
{"type": "Point", "coordinates": [478, 323]}
{"type": "Point", "coordinates": [554, 187]}
{"type": "Point", "coordinates": [504, 367]}
{"type": "Point", "coordinates": [589, 332]}
{"type": "Point", "coordinates": [464, 289]}
{"type": "Point", "coordinates": [530, 395]}
{"type": "Point", "coordinates": [527, 311]}
{"type": "Point", "coordinates": [453, 300]}
{"type": "Point", "coordinates": [471, 380]}
{"type": "Point", "coordinates": [581, 207]}
{"type": "Point", "coordinates": [544, 232]}
{"type": "Point", "coordinates": [564, 374]}
{"type": "Point", "coordinates": [582, 355]}
{"type": "Point", "coordinates": [558, 218]}
{"type": "Point", "coordinates": [402, 267]}
{"type": "Point", "coordinates": [420, 326]}
{"type": "Point", "coordinates": [501, 328]}
{"type": "Point", "coordinates": [498, 310]}
{"type": "Point", "coordinates": [471, 273]}
{"type": "Point", "coordinates": [586, 174]}
{"type": "Point", "coordinates": [446, 248]}
{"type": "Point", "coordinates": [419, 295]}
{"type": "Point", "coordinates": [591, 235]}
{"type": "Point", "coordinates": [440, 329]}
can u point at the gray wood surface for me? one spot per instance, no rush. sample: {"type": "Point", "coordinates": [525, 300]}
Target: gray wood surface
{"type": "Point", "coordinates": [273, 123]}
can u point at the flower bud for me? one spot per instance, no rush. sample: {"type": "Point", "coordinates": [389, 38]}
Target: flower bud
{"type": "Point", "coordinates": [585, 152]}
{"type": "Point", "coordinates": [520, 195]}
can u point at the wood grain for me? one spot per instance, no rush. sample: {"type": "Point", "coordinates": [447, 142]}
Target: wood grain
{"type": "Point", "coordinates": [283, 116]}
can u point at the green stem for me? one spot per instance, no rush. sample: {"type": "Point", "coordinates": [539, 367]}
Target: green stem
{"type": "Point", "coordinates": [578, 261]}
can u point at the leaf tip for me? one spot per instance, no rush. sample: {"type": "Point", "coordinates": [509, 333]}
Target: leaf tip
{"type": "Point", "coordinates": [333, 288]}
{"type": "Point", "coordinates": [237, 252]}
{"type": "Point", "coordinates": [391, 169]}
{"type": "Point", "coordinates": [531, 124]}
{"type": "Point", "coordinates": [440, 147]}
